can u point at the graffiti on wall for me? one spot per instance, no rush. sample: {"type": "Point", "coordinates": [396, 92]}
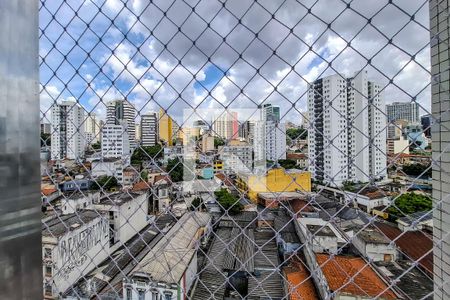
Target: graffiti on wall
{"type": "Point", "coordinates": [73, 248]}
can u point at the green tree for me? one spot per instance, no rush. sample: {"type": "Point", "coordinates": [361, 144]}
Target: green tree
{"type": "Point", "coordinates": [228, 201]}
{"type": "Point", "coordinates": [287, 163]}
{"type": "Point", "coordinates": [143, 153]}
{"type": "Point", "coordinates": [107, 183]}
{"type": "Point", "coordinates": [293, 134]}
{"type": "Point", "coordinates": [409, 203]}
{"type": "Point", "coordinates": [417, 169]}
{"type": "Point", "coordinates": [197, 203]}
{"type": "Point", "coordinates": [175, 169]}
{"type": "Point", "coordinates": [218, 142]}
{"type": "Point", "coordinates": [97, 146]}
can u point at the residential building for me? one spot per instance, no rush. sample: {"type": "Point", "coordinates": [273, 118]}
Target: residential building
{"type": "Point", "coordinates": [350, 277]}
{"type": "Point", "coordinates": [403, 111]}
{"type": "Point", "coordinates": [372, 244]}
{"type": "Point", "coordinates": [92, 128]}
{"type": "Point", "coordinates": [68, 141]}
{"type": "Point", "coordinates": [236, 156]}
{"type": "Point", "coordinates": [108, 167]}
{"type": "Point", "coordinates": [122, 112]}
{"type": "Point", "coordinates": [427, 121]}
{"type": "Point", "coordinates": [149, 129]}
{"type": "Point", "coordinates": [46, 128]}
{"type": "Point", "coordinates": [137, 133]}
{"type": "Point", "coordinates": [73, 245]}
{"type": "Point", "coordinates": [207, 143]}
{"type": "Point", "coordinates": [395, 129]}
{"type": "Point", "coordinates": [347, 138]}
{"type": "Point", "coordinates": [301, 159]}
{"type": "Point", "coordinates": [397, 145]}
{"type": "Point", "coordinates": [415, 135]}
{"type": "Point", "coordinates": [115, 141]}
{"type": "Point", "coordinates": [125, 213]}
{"type": "Point", "coordinates": [169, 270]}
{"type": "Point", "coordinates": [226, 125]}
{"type": "Point", "coordinates": [321, 236]}
{"type": "Point", "coordinates": [274, 180]}
{"type": "Point", "coordinates": [275, 140]}
{"type": "Point", "coordinates": [270, 112]}
{"type": "Point", "coordinates": [165, 128]}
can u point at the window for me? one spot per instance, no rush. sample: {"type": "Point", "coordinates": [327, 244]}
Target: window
{"type": "Point", "coordinates": [47, 253]}
{"type": "Point", "coordinates": [48, 271]}
{"type": "Point", "coordinates": [129, 294]}
{"type": "Point", "coordinates": [141, 295]}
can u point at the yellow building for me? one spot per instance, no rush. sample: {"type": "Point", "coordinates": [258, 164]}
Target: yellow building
{"type": "Point", "coordinates": [274, 180]}
{"type": "Point", "coordinates": [165, 128]}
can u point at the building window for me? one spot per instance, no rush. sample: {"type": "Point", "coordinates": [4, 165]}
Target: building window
{"type": "Point", "coordinates": [48, 271]}
{"type": "Point", "coordinates": [129, 294]}
{"type": "Point", "coordinates": [48, 289]}
{"type": "Point", "coordinates": [141, 295]}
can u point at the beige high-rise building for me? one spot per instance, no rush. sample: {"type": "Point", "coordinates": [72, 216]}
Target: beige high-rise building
{"type": "Point", "coordinates": [92, 128]}
{"type": "Point", "coordinates": [165, 128]}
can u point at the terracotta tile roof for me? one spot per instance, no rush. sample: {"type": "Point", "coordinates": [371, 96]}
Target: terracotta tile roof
{"type": "Point", "coordinates": [48, 191]}
{"type": "Point", "coordinates": [300, 285]}
{"type": "Point", "coordinates": [141, 186]}
{"type": "Point", "coordinates": [225, 179]}
{"type": "Point", "coordinates": [340, 270]}
{"type": "Point", "coordinates": [296, 156]}
{"type": "Point", "coordinates": [162, 177]}
{"type": "Point", "coordinates": [417, 245]}
{"type": "Point", "coordinates": [300, 205]}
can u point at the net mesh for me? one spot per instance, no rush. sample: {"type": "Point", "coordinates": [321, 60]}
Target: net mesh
{"type": "Point", "coordinates": [209, 149]}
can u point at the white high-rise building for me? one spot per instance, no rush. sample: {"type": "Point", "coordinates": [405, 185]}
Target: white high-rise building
{"type": "Point", "coordinates": [347, 137]}
{"type": "Point", "coordinates": [115, 141]}
{"type": "Point", "coordinates": [121, 112]}
{"type": "Point", "coordinates": [408, 111]}
{"type": "Point", "coordinates": [149, 129]}
{"type": "Point", "coordinates": [275, 135]}
{"type": "Point", "coordinates": [68, 137]}
{"type": "Point", "coordinates": [92, 128]}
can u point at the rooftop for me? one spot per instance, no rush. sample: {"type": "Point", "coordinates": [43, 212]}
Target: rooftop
{"type": "Point", "coordinates": [421, 216]}
{"type": "Point", "coordinates": [174, 251]}
{"type": "Point", "coordinates": [411, 281]}
{"type": "Point", "coordinates": [370, 235]}
{"type": "Point", "coordinates": [416, 245]}
{"type": "Point", "coordinates": [319, 230]}
{"type": "Point", "coordinates": [353, 276]}
{"type": "Point", "coordinates": [299, 283]}
{"type": "Point", "coordinates": [282, 196]}
{"type": "Point", "coordinates": [62, 224]}
{"type": "Point", "coordinates": [118, 199]}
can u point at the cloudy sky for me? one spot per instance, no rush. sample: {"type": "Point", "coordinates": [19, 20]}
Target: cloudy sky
{"type": "Point", "coordinates": [236, 54]}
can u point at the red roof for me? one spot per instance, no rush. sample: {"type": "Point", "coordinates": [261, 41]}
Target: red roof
{"type": "Point", "coordinates": [296, 156]}
{"type": "Point", "coordinates": [350, 275]}
{"type": "Point", "coordinates": [300, 284]}
{"type": "Point", "coordinates": [141, 186]}
{"type": "Point", "coordinates": [416, 245]}
{"type": "Point", "coordinates": [48, 191]}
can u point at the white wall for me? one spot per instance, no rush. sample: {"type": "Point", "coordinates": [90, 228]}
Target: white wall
{"type": "Point", "coordinates": [77, 253]}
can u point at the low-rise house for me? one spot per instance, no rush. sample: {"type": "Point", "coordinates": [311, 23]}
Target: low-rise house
{"type": "Point", "coordinates": [78, 201]}
{"type": "Point", "coordinates": [130, 177]}
{"type": "Point", "coordinates": [321, 236]}
{"type": "Point", "coordinates": [169, 270]}
{"type": "Point", "coordinates": [273, 199]}
{"type": "Point", "coordinates": [72, 185]}
{"type": "Point", "coordinates": [372, 244]}
{"type": "Point", "coordinates": [300, 158]}
{"type": "Point", "coordinates": [73, 245]}
{"type": "Point", "coordinates": [49, 193]}
{"type": "Point", "coordinates": [161, 191]}
{"type": "Point", "coordinates": [108, 167]}
{"type": "Point", "coordinates": [350, 277]}
{"type": "Point", "coordinates": [422, 220]}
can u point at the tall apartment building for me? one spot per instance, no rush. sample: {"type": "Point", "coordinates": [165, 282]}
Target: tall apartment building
{"type": "Point", "coordinates": [440, 88]}
{"type": "Point", "coordinates": [115, 141]}
{"type": "Point", "coordinates": [121, 112]}
{"type": "Point", "coordinates": [226, 125]}
{"type": "Point", "coordinates": [270, 111]}
{"type": "Point", "coordinates": [149, 129]}
{"type": "Point", "coordinates": [92, 128]}
{"type": "Point", "coordinates": [165, 128]}
{"type": "Point", "coordinates": [427, 121]}
{"type": "Point", "coordinates": [269, 136]}
{"type": "Point", "coordinates": [403, 111]}
{"type": "Point", "coordinates": [68, 137]}
{"type": "Point", "coordinates": [347, 138]}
